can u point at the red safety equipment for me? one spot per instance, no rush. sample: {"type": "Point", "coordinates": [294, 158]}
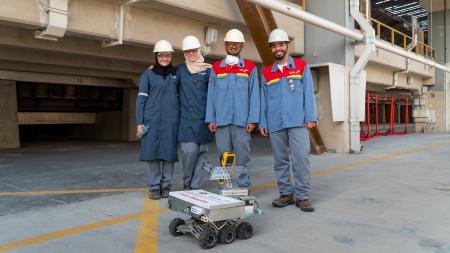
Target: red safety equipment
{"type": "Point", "coordinates": [375, 99]}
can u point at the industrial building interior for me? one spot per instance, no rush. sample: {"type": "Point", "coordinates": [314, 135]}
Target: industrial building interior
{"type": "Point", "coordinates": [403, 18]}
{"type": "Point", "coordinates": [70, 175]}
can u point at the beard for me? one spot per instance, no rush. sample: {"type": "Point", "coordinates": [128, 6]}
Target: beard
{"type": "Point", "coordinates": [233, 54]}
{"type": "Point", "coordinates": [280, 57]}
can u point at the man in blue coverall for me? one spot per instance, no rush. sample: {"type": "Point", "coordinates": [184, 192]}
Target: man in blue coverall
{"type": "Point", "coordinates": [233, 103]}
{"type": "Point", "coordinates": [287, 111]}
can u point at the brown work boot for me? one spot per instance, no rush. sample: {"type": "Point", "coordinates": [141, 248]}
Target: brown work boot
{"type": "Point", "coordinates": [283, 201]}
{"type": "Point", "coordinates": [304, 205]}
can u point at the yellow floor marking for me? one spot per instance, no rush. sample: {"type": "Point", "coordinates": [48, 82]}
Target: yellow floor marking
{"type": "Point", "coordinates": [37, 193]}
{"type": "Point", "coordinates": [76, 230]}
{"type": "Point", "coordinates": [273, 184]}
{"type": "Point", "coordinates": [67, 232]}
{"type": "Point", "coordinates": [150, 222]}
{"type": "Point", "coordinates": [264, 186]}
{"type": "Point", "coordinates": [255, 188]}
{"type": "Point", "coordinates": [147, 237]}
{"type": "Point", "coordinates": [378, 159]}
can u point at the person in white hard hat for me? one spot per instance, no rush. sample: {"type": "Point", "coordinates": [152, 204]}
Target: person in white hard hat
{"type": "Point", "coordinates": [287, 84]}
{"type": "Point", "coordinates": [233, 103]}
{"type": "Point", "coordinates": [193, 134]}
{"type": "Point", "coordinates": [157, 116]}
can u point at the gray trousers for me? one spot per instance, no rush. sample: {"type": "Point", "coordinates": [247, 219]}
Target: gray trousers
{"type": "Point", "coordinates": [292, 143]}
{"type": "Point", "coordinates": [236, 139]}
{"type": "Point", "coordinates": [159, 174]}
{"type": "Point", "coordinates": [193, 157]}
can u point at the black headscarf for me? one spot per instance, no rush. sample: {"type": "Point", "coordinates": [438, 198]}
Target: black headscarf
{"type": "Point", "coordinates": [163, 71]}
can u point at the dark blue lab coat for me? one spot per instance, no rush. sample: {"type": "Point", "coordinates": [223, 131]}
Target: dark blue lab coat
{"type": "Point", "coordinates": [193, 90]}
{"type": "Point", "coordinates": [157, 106]}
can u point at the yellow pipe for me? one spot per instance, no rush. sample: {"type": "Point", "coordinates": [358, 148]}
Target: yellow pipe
{"type": "Point", "coordinates": [404, 42]}
{"type": "Point", "coordinates": [392, 37]}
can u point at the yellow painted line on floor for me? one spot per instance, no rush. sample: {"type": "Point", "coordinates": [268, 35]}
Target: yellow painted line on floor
{"type": "Point", "coordinates": [378, 159]}
{"type": "Point", "coordinates": [67, 232]}
{"type": "Point", "coordinates": [256, 188]}
{"type": "Point", "coordinates": [264, 186]}
{"type": "Point", "coordinates": [149, 221]}
{"type": "Point", "coordinates": [354, 165]}
{"type": "Point", "coordinates": [37, 193]}
{"type": "Point", "coordinates": [88, 227]}
{"type": "Point", "coordinates": [147, 236]}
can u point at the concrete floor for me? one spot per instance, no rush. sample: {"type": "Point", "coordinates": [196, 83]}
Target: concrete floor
{"type": "Point", "coordinates": [395, 197]}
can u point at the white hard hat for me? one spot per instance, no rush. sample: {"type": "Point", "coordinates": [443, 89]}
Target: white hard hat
{"type": "Point", "coordinates": [162, 46]}
{"type": "Point", "coordinates": [234, 35]}
{"type": "Point", "coordinates": [278, 35]}
{"type": "Point", "coordinates": [190, 42]}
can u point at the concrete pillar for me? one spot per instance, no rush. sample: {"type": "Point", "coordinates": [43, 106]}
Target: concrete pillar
{"type": "Point", "coordinates": [9, 127]}
{"type": "Point", "coordinates": [129, 115]}
{"type": "Point", "coordinates": [441, 41]}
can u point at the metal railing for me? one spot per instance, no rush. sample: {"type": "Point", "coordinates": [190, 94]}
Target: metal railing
{"type": "Point", "coordinates": [420, 48]}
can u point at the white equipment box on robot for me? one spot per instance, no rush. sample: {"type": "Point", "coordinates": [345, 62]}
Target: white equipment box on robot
{"type": "Point", "coordinates": [215, 217]}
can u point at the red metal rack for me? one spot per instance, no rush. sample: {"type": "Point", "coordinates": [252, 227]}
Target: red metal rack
{"type": "Point", "coordinates": [375, 100]}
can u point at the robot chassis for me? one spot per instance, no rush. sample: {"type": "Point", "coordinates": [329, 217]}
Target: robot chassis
{"type": "Point", "coordinates": [215, 217]}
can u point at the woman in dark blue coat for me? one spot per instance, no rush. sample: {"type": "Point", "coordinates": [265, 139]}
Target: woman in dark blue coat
{"type": "Point", "coordinates": [193, 134]}
{"type": "Point", "coordinates": [157, 116]}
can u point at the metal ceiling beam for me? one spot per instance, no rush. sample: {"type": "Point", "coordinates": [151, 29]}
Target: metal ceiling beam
{"type": "Point", "coordinates": [390, 3]}
{"type": "Point", "coordinates": [422, 19]}
{"type": "Point", "coordinates": [296, 12]}
{"type": "Point", "coordinates": [405, 10]}
{"type": "Point", "coordinates": [400, 8]}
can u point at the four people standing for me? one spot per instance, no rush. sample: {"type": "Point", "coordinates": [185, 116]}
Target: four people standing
{"type": "Point", "coordinates": [226, 100]}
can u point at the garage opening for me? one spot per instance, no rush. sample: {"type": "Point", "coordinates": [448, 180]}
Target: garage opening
{"type": "Point", "coordinates": [64, 112]}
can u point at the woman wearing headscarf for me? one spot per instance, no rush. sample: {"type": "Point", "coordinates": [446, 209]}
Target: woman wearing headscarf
{"type": "Point", "coordinates": [157, 117]}
{"type": "Point", "coordinates": [193, 134]}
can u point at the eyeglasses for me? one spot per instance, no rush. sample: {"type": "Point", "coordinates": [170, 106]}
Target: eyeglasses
{"type": "Point", "coordinates": [191, 51]}
{"type": "Point", "coordinates": [165, 56]}
{"type": "Point", "coordinates": [233, 44]}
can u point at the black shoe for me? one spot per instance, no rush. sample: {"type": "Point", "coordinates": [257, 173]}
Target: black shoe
{"type": "Point", "coordinates": [154, 194]}
{"type": "Point", "coordinates": [165, 192]}
{"type": "Point", "coordinates": [187, 188]}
